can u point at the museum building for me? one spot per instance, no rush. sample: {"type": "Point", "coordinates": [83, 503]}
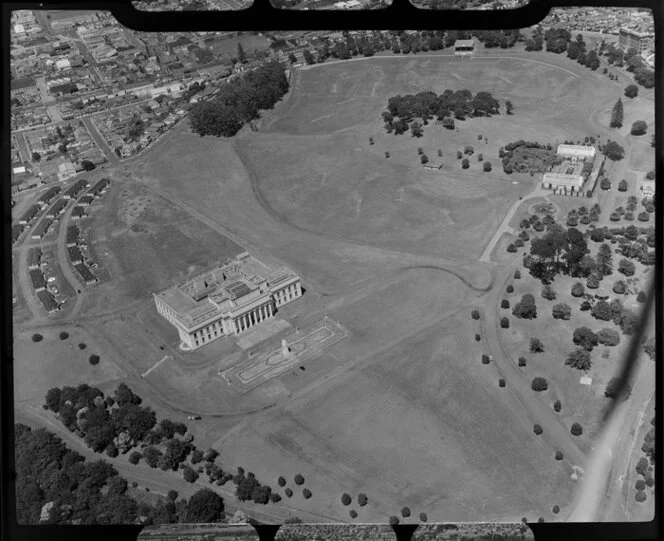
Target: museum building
{"type": "Point", "coordinates": [226, 300]}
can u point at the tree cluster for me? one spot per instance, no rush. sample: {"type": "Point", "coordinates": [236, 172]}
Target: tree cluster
{"type": "Point", "coordinates": [525, 308]}
{"type": "Point", "coordinates": [402, 110]}
{"type": "Point", "coordinates": [239, 101]}
{"type": "Point", "coordinates": [527, 157]}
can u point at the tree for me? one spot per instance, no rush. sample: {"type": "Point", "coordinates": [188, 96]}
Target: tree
{"type": "Point", "coordinates": [151, 456]}
{"type": "Point", "coordinates": [521, 362]}
{"type": "Point", "coordinates": [617, 115]}
{"type": "Point", "coordinates": [509, 108]}
{"type": "Point", "coordinates": [604, 259]}
{"type": "Point", "coordinates": [536, 345]}
{"type": "Point", "coordinates": [346, 499]}
{"type": "Point", "coordinates": [579, 359]}
{"type": "Point", "coordinates": [189, 475]}
{"type": "Point", "coordinates": [405, 512]}
{"type": "Point", "coordinates": [539, 384]}
{"type": "Point", "coordinates": [602, 311]}
{"type": "Point", "coordinates": [362, 499]}
{"type": "Point", "coordinates": [135, 457]}
{"type": "Point", "coordinates": [465, 164]}
{"type": "Point", "coordinates": [394, 521]}
{"type": "Point", "coordinates": [288, 492]}
{"type": "Point", "coordinates": [196, 456]}
{"type": "Point", "coordinates": [281, 481]}
{"type": "Point", "coordinates": [576, 429]}
{"type": "Point", "coordinates": [416, 129]}
{"type": "Point", "coordinates": [124, 395]}
{"type": "Point", "coordinates": [608, 337]}
{"type": "Point", "coordinates": [504, 323]}
{"type": "Point", "coordinates": [475, 314]}
{"type": "Point", "coordinates": [501, 382]}
{"type": "Point", "coordinates": [641, 296]}
{"type": "Point", "coordinates": [626, 267]}
{"type": "Point", "coordinates": [639, 127]}
{"type": "Point", "coordinates": [424, 159]}
{"type": "Point", "coordinates": [517, 272]}
{"type": "Point", "coordinates": [525, 308]}
{"type": "Point", "coordinates": [292, 58]}
{"type": "Point", "coordinates": [505, 303]}
{"type": "Point", "coordinates": [642, 466]}
{"type": "Point", "coordinates": [640, 496]}
{"type": "Point", "coordinates": [299, 480]}
{"type": "Point", "coordinates": [557, 406]}
{"type": "Point", "coordinates": [613, 151]}
{"type": "Point", "coordinates": [205, 506]}
{"type": "Point", "coordinates": [537, 429]}
{"type": "Point", "coordinates": [605, 184]}
{"type": "Point", "coordinates": [619, 287]}
{"type": "Point", "coordinates": [585, 338]}
{"type": "Point", "coordinates": [486, 167]}
{"type": "Point", "coordinates": [611, 390]}
{"type": "Point", "coordinates": [631, 91]}
{"type": "Point", "coordinates": [306, 493]}
{"type": "Point", "coordinates": [548, 293]}
{"type": "Point", "coordinates": [562, 311]}
{"type": "Point", "coordinates": [87, 165]}
{"type": "Point", "coordinates": [559, 455]}
{"type": "Point", "coordinates": [485, 359]}
{"type": "Point", "coordinates": [172, 495]}
{"type": "Point", "coordinates": [423, 517]}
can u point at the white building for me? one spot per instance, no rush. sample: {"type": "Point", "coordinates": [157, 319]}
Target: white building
{"type": "Point", "coordinates": [562, 183]}
{"type": "Point", "coordinates": [464, 47]}
{"type": "Point", "coordinates": [576, 151]}
{"type": "Point", "coordinates": [226, 300]}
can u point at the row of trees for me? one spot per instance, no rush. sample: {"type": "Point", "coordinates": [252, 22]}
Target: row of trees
{"type": "Point", "coordinates": [401, 110]}
{"type": "Point", "coordinates": [239, 101]}
{"type": "Point", "coordinates": [633, 61]}
{"type": "Point", "coordinates": [576, 50]}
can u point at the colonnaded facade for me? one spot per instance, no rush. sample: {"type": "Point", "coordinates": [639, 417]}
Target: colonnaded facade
{"type": "Point", "coordinates": [226, 300]}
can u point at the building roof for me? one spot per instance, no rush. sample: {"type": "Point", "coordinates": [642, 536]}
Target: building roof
{"type": "Point", "coordinates": [48, 300]}
{"type": "Point", "coordinates": [239, 284]}
{"type": "Point", "coordinates": [34, 256]}
{"type": "Point", "coordinates": [25, 82]}
{"type": "Point", "coordinates": [560, 179]}
{"type": "Point", "coordinates": [464, 43]}
{"type": "Point", "coordinates": [572, 149]}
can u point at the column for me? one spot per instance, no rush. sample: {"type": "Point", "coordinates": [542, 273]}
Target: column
{"type": "Point", "coordinates": [259, 315]}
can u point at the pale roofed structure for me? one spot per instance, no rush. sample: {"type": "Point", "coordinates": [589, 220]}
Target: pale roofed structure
{"type": "Point", "coordinates": [576, 151]}
{"type": "Point", "coordinates": [226, 300]}
{"type": "Point", "coordinates": [563, 182]}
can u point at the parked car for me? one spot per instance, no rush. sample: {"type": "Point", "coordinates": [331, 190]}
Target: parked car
{"type": "Point", "coordinates": [50, 279]}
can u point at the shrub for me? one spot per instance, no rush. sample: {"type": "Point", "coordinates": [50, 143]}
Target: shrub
{"type": "Point", "coordinates": [394, 521]}
{"type": "Point", "coordinates": [620, 287]}
{"type": "Point", "coordinates": [112, 450]}
{"type": "Point", "coordinates": [424, 159]}
{"type": "Point", "coordinates": [82, 346]}
{"type": "Point", "coordinates": [536, 345]}
{"type": "Point", "coordinates": [629, 216]}
{"type": "Point", "coordinates": [196, 456]}
{"type": "Point", "coordinates": [537, 429]}
{"type": "Point", "coordinates": [605, 184]}
{"type": "Point", "coordinates": [134, 457]}
{"type": "Point", "coordinates": [511, 248]}
{"type": "Point", "coordinates": [548, 293]}
{"type": "Point", "coordinates": [93, 359]}
{"type": "Point", "coordinates": [579, 359]}
{"type": "Point", "coordinates": [525, 308]}
{"type": "Point", "coordinates": [639, 127]}
{"type": "Point", "coordinates": [346, 499]}
{"type": "Point", "coordinates": [63, 335]}
{"type": "Point", "coordinates": [504, 303]}
{"type": "Point", "coordinates": [626, 267]}
{"type": "Point", "coordinates": [501, 382]}
{"type": "Point", "coordinates": [405, 512]}
{"type": "Point", "coordinates": [555, 509]}
{"type": "Point", "coordinates": [540, 519]}
{"type": "Point", "coordinates": [517, 273]}
{"type": "Point", "coordinates": [640, 496]}
{"type": "Point", "coordinates": [539, 384]}
{"type": "Point", "coordinates": [640, 484]}
{"type": "Point", "coordinates": [559, 455]}
{"type": "Point", "coordinates": [643, 216]}
{"type": "Point", "coordinates": [387, 154]}
{"type": "Point", "coordinates": [504, 323]}
{"type": "Point", "coordinates": [576, 429]}
{"type": "Point", "coordinates": [592, 282]}
{"type": "Point", "coordinates": [475, 314]}
{"type": "Point", "coordinates": [561, 311]}
{"type": "Point", "coordinates": [631, 91]}
{"type": "Point", "coordinates": [37, 337]}
{"type": "Point", "coordinates": [614, 217]}
{"type": "Point", "coordinates": [611, 390]}
{"type": "Point", "coordinates": [459, 154]}
{"type": "Point", "coordinates": [585, 306]}
{"type": "Point", "coordinates": [306, 493]}
{"type": "Point", "coordinates": [622, 186]}
{"type": "Point", "coordinates": [510, 288]}
{"type": "Point", "coordinates": [641, 296]}
{"type": "Point", "coordinates": [134, 484]}
{"type": "Point", "coordinates": [608, 337]}
{"type": "Point", "coordinates": [557, 406]}
{"type": "Point", "coordinates": [521, 361]}
{"type": "Point", "coordinates": [577, 290]}
{"type": "Point", "coordinates": [281, 481]}
{"type": "Point", "coordinates": [650, 481]}
{"type": "Point", "coordinates": [486, 167]}
{"type": "Point", "coordinates": [477, 337]}
{"type": "Point", "coordinates": [274, 497]}
{"type": "Point", "coordinates": [420, 151]}
{"type": "Point", "coordinates": [423, 517]}
{"type": "Point", "coordinates": [353, 513]}
{"type": "Point", "coordinates": [465, 164]}
{"type": "Point", "coordinates": [519, 243]}
{"type": "Point", "coordinates": [362, 499]}
{"type": "Point", "coordinates": [189, 475]}
{"type": "Point", "coordinates": [602, 311]}
{"type": "Point", "coordinates": [299, 480]}
{"type": "Point", "coordinates": [288, 492]}
{"type": "Point", "coordinates": [585, 338]}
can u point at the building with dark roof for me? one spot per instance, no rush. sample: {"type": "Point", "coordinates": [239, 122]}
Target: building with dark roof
{"type": "Point", "coordinates": [19, 86]}
{"type": "Point", "coordinates": [34, 258]}
{"type": "Point", "coordinates": [100, 187]}
{"type": "Point", "coordinates": [73, 235]}
{"type": "Point", "coordinates": [85, 273]}
{"type": "Point", "coordinates": [78, 213]}
{"type": "Point", "coordinates": [29, 214]}
{"type": "Point", "coordinates": [16, 232]}
{"type": "Point", "coordinates": [48, 300]}
{"type": "Point", "coordinates": [75, 255]}
{"type": "Point", "coordinates": [48, 195]}
{"type": "Point", "coordinates": [42, 228]}
{"type": "Point", "coordinates": [464, 47]}
{"type": "Point", "coordinates": [37, 278]}
{"type": "Point", "coordinates": [86, 200]}
{"type": "Point", "coordinates": [226, 300]}
{"type": "Point", "coordinates": [75, 189]}
{"type": "Point", "coordinates": [57, 208]}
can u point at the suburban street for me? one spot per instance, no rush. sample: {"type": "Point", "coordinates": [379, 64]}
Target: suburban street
{"type": "Point", "coordinates": [111, 156]}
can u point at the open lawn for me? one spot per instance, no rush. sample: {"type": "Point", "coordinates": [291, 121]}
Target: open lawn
{"type": "Point", "coordinates": [54, 362]}
{"type": "Point", "coordinates": [147, 244]}
{"type": "Point", "coordinates": [455, 438]}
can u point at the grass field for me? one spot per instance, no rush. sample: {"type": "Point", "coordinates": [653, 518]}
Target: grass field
{"type": "Point", "coordinates": [54, 362]}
